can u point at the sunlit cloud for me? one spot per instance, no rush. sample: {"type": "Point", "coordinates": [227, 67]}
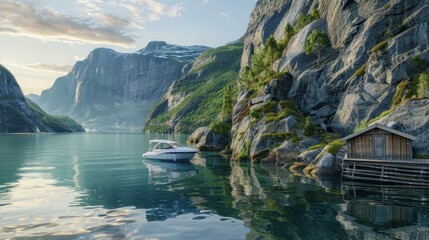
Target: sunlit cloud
{"type": "Point", "coordinates": [24, 19]}
{"type": "Point", "coordinates": [49, 67]}
{"type": "Point", "coordinates": [7, 30]}
{"type": "Point", "coordinates": [140, 10]}
{"type": "Point", "coordinates": [113, 21]}
{"type": "Point", "coordinates": [43, 67]}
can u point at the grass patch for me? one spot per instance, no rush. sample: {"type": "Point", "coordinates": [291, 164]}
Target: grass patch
{"type": "Point", "coordinates": [399, 93]}
{"type": "Point", "coordinates": [281, 136]}
{"type": "Point", "coordinates": [423, 85]}
{"type": "Point", "coordinates": [273, 117]}
{"type": "Point", "coordinates": [267, 108]}
{"type": "Point", "coordinates": [383, 114]}
{"type": "Point", "coordinates": [419, 63]}
{"type": "Point", "coordinates": [421, 156]}
{"type": "Point", "coordinates": [361, 71]}
{"type": "Point", "coordinates": [244, 151]}
{"type": "Point", "coordinates": [380, 46]}
{"type": "Point", "coordinates": [335, 146]}
{"type": "Point", "coordinates": [220, 127]}
{"type": "Point", "coordinates": [317, 146]}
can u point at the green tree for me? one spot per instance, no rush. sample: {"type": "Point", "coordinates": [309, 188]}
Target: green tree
{"type": "Point", "coordinates": [301, 22]}
{"type": "Point", "coordinates": [227, 103]}
{"type": "Point", "coordinates": [316, 43]}
{"type": "Point", "coordinates": [258, 62]}
{"type": "Point", "coordinates": [288, 34]}
{"type": "Point", "coordinates": [272, 53]}
{"type": "Point", "coordinates": [314, 15]}
{"type": "Point", "coordinates": [423, 85]}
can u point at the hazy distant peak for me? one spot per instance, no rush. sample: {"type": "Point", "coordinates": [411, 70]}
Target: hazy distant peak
{"type": "Point", "coordinates": [162, 49]}
{"type": "Point", "coordinates": [103, 51]}
{"type": "Point", "coordinates": [155, 45]}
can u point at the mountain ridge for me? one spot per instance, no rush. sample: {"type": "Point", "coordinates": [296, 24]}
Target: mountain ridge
{"type": "Point", "coordinates": [111, 90]}
{"type": "Point", "coordinates": [20, 115]}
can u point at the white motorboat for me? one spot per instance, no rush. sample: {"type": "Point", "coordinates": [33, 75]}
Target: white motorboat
{"type": "Point", "coordinates": [169, 151]}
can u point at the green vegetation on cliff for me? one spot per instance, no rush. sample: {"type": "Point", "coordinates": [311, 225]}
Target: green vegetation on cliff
{"type": "Point", "coordinates": [261, 70]}
{"type": "Point", "coordinates": [417, 88]}
{"type": "Point", "coordinates": [208, 91]}
{"type": "Point", "coordinates": [56, 123]}
{"type": "Point", "coordinates": [316, 43]}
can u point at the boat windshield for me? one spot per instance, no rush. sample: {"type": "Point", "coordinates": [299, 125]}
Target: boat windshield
{"type": "Point", "coordinates": [175, 145]}
{"type": "Point", "coordinates": [163, 145]}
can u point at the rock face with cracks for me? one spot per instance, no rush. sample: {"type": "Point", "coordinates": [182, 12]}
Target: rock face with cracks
{"type": "Point", "coordinates": [375, 46]}
{"type": "Point", "coordinates": [114, 91]}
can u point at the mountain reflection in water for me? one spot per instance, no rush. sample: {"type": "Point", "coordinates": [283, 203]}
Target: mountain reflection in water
{"type": "Point", "coordinates": [93, 186]}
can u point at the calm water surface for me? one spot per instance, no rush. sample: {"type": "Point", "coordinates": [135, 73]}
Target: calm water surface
{"type": "Point", "coordinates": [97, 186]}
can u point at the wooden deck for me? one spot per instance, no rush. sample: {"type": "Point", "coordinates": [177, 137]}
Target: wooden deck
{"type": "Point", "coordinates": [409, 172]}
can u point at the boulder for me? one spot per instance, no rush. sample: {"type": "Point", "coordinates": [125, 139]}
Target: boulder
{"type": "Point", "coordinates": [288, 151]}
{"type": "Point", "coordinates": [212, 141]}
{"type": "Point", "coordinates": [196, 136]}
{"type": "Point", "coordinates": [309, 156]}
{"type": "Point", "coordinates": [326, 163]}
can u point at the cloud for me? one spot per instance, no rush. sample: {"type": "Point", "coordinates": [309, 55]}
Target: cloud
{"type": "Point", "coordinates": [113, 21]}
{"type": "Point", "coordinates": [6, 30]}
{"type": "Point", "coordinates": [48, 67]}
{"type": "Point", "coordinates": [148, 10]}
{"type": "Point", "coordinates": [206, 1]}
{"type": "Point", "coordinates": [24, 19]}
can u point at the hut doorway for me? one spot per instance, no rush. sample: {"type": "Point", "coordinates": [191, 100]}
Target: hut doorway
{"type": "Point", "coordinates": [378, 142]}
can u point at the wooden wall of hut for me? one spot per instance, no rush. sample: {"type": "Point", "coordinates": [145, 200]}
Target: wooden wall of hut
{"type": "Point", "coordinates": [379, 144]}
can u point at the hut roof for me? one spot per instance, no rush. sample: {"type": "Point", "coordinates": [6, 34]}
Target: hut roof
{"type": "Point", "coordinates": [385, 128]}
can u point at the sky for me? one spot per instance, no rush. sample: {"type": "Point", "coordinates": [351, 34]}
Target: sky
{"type": "Point", "coordinates": [40, 40]}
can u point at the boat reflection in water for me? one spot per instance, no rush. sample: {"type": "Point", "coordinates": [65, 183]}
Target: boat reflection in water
{"type": "Point", "coordinates": [162, 172]}
{"type": "Point", "coordinates": [385, 211]}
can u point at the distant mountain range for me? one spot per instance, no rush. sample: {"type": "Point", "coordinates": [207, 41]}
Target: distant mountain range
{"type": "Point", "coordinates": [115, 91]}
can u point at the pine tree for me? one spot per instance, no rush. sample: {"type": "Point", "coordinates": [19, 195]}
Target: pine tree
{"type": "Point", "coordinates": [227, 103]}
{"type": "Point", "coordinates": [316, 43]}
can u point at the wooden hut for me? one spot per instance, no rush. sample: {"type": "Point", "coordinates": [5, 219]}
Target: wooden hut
{"type": "Point", "coordinates": [379, 142]}
{"type": "Point", "coordinates": [381, 153]}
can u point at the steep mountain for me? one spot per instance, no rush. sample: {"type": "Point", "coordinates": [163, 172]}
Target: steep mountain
{"type": "Point", "coordinates": [33, 97]}
{"type": "Point", "coordinates": [195, 99]}
{"type": "Point", "coordinates": [111, 90]}
{"type": "Point", "coordinates": [331, 67]}
{"type": "Point", "coordinates": [21, 115]}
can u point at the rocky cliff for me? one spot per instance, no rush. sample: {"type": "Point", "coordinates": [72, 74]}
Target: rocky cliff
{"type": "Point", "coordinates": [370, 58]}
{"type": "Point", "coordinates": [111, 90]}
{"type": "Point", "coordinates": [195, 99]}
{"type": "Point", "coordinates": [21, 115]}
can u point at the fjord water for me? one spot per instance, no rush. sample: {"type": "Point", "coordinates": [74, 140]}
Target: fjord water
{"type": "Point", "coordinates": [97, 186]}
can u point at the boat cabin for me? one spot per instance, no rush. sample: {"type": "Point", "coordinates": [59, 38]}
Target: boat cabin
{"type": "Point", "coordinates": [162, 144]}
{"type": "Point", "coordinates": [379, 142]}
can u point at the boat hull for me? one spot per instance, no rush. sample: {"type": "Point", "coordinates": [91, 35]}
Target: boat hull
{"type": "Point", "coordinates": [170, 156]}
